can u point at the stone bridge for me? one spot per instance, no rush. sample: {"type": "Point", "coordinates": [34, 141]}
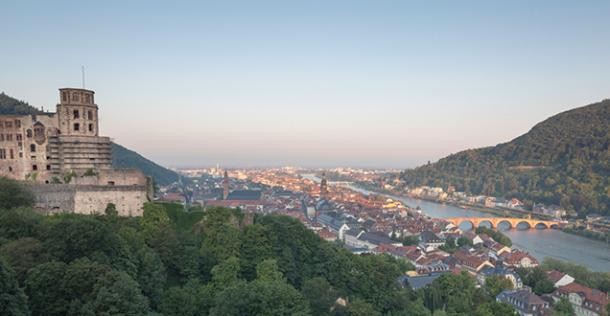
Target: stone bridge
{"type": "Point", "coordinates": [511, 221]}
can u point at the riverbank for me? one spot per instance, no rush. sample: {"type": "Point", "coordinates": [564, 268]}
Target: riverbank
{"type": "Point", "coordinates": [498, 212]}
{"type": "Point", "coordinates": [587, 234]}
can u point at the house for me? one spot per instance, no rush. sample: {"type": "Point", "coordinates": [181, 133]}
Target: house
{"type": "Point", "coordinates": [474, 238]}
{"type": "Point", "coordinates": [375, 238]}
{"type": "Point", "coordinates": [501, 271]}
{"type": "Point", "coordinates": [490, 202]}
{"type": "Point", "coordinates": [418, 281]}
{"type": "Point", "coordinates": [515, 203]}
{"type": "Point", "coordinates": [497, 248]}
{"type": "Point", "coordinates": [430, 241]}
{"type": "Point", "coordinates": [524, 301]}
{"type": "Point", "coordinates": [327, 235]}
{"type": "Point", "coordinates": [559, 278]}
{"type": "Point", "coordinates": [585, 301]}
{"type": "Point", "coordinates": [519, 259]}
{"type": "Point", "coordinates": [470, 262]}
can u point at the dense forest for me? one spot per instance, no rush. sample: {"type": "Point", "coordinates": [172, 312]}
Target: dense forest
{"type": "Point", "coordinates": [217, 262]}
{"type": "Point", "coordinates": [121, 156]}
{"type": "Point", "coordinates": [564, 160]}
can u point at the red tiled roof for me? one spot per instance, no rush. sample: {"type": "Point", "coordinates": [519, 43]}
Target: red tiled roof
{"type": "Point", "coordinates": [592, 295]}
{"type": "Point", "coordinates": [555, 275]}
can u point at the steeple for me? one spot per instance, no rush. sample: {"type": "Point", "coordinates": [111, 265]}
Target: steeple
{"type": "Point", "coordinates": [225, 186]}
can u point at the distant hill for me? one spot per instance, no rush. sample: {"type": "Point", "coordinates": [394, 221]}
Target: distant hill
{"type": "Point", "coordinates": [564, 160]}
{"type": "Point", "coordinates": [125, 158]}
{"type": "Point", "coordinates": [121, 156]}
{"type": "Point", "coordinates": [10, 105]}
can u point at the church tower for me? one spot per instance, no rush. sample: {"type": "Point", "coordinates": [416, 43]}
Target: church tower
{"type": "Point", "coordinates": [323, 187]}
{"type": "Point", "coordinates": [225, 186]}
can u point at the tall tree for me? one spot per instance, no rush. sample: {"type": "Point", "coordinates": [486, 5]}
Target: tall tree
{"type": "Point", "coordinates": [12, 299]}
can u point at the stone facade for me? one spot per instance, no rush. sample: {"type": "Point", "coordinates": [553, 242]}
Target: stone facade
{"type": "Point", "coordinates": [66, 162]}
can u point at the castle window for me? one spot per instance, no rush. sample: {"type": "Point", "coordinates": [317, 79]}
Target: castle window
{"type": "Point", "coordinates": [34, 167]}
{"type": "Point", "coordinates": [9, 137]}
{"type": "Point", "coordinates": [2, 153]}
{"type": "Point", "coordinates": [10, 168]}
{"type": "Point", "coordinates": [91, 127]}
{"type": "Point", "coordinates": [12, 154]}
{"type": "Point", "coordinates": [1, 137]}
{"type": "Point", "coordinates": [33, 148]}
{"type": "Point", "coordinates": [110, 182]}
{"type": "Point", "coordinates": [76, 114]}
{"type": "Point", "coordinates": [19, 137]}
{"type": "Point", "coordinates": [87, 98]}
{"type": "Point", "coordinates": [76, 126]}
{"type": "Point", "coordinates": [8, 124]}
{"type": "Point", "coordinates": [38, 130]}
{"type": "Point", "coordinates": [17, 123]}
{"type": "Point", "coordinates": [1, 124]}
{"type": "Point", "coordinates": [90, 115]}
{"type": "Point", "coordinates": [28, 133]}
{"type": "Point", "coordinates": [74, 96]}
{"type": "Point", "coordinates": [48, 167]}
{"type": "Point", "coordinates": [64, 96]}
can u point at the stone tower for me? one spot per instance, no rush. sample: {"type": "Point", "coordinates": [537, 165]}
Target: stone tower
{"type": "Point", "coordinates": [225, 186]}
{"type": "Point", "coordinates": [77, 145]}
{"type": "Point", "coordinates": [77, 112]}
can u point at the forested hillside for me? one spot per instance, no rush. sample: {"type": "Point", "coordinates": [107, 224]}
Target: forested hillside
{"type": "Point", "coordinates": [10, 105]}
{"type": "Point", "coordinates": [563, 160]}
{"type": "Point", "coordinates": [128, 159]}
{"type": "Point", "coordinates": [121, 156]}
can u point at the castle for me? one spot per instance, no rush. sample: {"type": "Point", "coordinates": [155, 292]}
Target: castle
{"type": "Point", "coordinates": [65, 162]}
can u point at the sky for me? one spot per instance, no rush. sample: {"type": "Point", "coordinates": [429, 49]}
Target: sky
{"type": "Point", "coordinates": [309, 83]}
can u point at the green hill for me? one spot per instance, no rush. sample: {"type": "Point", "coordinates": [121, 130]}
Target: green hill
{"type": "Point", "coordinates": [563, 160]}
{"type": "Point", "coordinates": [125, 158]}
{"type": "Point", "coordinates": [9, 106]}
{"type": "Point", "coordinates": [121, 156]}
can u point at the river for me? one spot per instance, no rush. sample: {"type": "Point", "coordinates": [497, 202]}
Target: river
{"type": "Point", "coordinates": [541, 243]}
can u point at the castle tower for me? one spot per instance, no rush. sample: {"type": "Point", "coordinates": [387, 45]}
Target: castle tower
{"type": "Point", "coordinates": [323, 187]}
{"type": "Point", "coordinates": [225, 186]}
{"type": "Point", "coordinates": [77, 145]}
{"type": "Point", "coordinates": [77, 112]}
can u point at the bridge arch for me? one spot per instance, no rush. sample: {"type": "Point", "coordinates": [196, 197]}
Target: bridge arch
{"type": "Point", "coordinates": [491, 222]}
{"type": "Point", "coordinates": [505, 221]}
{"type": "Point", "coordinates": [526, 222]}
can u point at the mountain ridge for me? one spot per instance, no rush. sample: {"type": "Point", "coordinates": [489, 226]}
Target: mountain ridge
{"type": "Point", "coordinates": [562, 160]}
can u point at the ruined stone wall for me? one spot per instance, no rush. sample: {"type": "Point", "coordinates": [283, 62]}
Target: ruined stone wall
{"type": "Point", "coordinates": [89, 199]}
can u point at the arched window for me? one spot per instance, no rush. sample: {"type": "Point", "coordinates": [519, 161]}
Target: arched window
{"type": "Point", "coordinates": [33, 148]}
{"type": "Point", "coordinates": [28, 133]}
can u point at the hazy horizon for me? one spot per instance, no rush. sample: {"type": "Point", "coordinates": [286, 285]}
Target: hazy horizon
{"type": "Point", "coordinates": [316, 83]}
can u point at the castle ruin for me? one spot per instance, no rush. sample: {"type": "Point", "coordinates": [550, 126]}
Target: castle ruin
{"type": "Point", "coordinates": [65, 162]}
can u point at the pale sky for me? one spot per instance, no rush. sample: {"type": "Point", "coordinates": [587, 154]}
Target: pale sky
{"type": "Point", "coordinates": [310, 83]}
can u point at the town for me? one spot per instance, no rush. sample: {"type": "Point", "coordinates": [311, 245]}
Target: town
{"type": "Point", "coordinates": [377, 224]}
